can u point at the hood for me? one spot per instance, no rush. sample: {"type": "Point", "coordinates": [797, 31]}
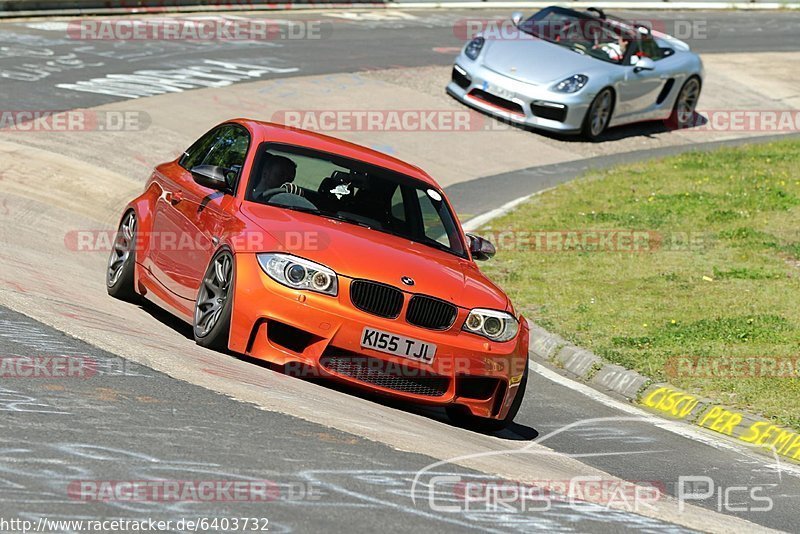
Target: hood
{"type": "Point", "coordinates": [357, 252]}
{"type": "Point", "coordinates": [534, 61]}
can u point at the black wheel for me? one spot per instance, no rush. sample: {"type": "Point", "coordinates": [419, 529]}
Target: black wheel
{"type": "Point", "coordinates": [598, 115]}
{"type": "Point", "coordinates": [212, 309]}
{"type": "Point", "coordinates": [122, 260]}
{"type": "Point", "coordinates": [461, 416]}
{"type": "Point", "coordinates": [684, 109]}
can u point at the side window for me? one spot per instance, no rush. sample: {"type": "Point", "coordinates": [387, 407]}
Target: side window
{"type": "Point", "coordinates": [195, 153]}
{"type": "Point", "coordinates": [431, 219]}
{"type": "Point", "coordinates": [647, 47]}
{"type": "Point", "coordinates": [230, 149]}
{"type": "Point", "coordinates": [398, 207]}
{"type": "Point", "coordinates": [224, 147]}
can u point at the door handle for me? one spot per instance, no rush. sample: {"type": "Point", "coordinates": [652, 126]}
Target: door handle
{"type": "Point", "coordinates": [175, 197]}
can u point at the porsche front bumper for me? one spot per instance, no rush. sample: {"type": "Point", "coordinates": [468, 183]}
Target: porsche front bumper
{"type": "Point", "coordinates": [512, 100]}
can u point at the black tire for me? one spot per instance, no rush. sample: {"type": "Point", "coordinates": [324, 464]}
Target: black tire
{"type": "Point", "coordinates": [214, 303]}
{"type": "Point", "coordinates": [603, 104]}
{"type": "Point", "coordinates": [461, 416]}
{"type": "Point", "coordinates": [683, 112]}
{"type": "Point", "coordinates": [120, 279]}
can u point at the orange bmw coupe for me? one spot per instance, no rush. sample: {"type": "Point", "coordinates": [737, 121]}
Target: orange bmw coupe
{"type": "Point", "coordinates": [323, 256]}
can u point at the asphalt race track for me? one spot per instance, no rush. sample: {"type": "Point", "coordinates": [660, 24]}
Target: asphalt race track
{"type": "Point", "coordinates": [160, 407]}
{"type": "Point", "coordinates": [349, 46]}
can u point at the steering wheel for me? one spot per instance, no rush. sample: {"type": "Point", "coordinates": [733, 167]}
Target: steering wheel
{"type": "Point", "coordinates": [290, 188]}
{"type": "Point", "coordinates": [578, 47]}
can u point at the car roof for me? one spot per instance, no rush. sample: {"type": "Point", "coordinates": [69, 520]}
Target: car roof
{"type": "Point", "coordinates": [279, 133]}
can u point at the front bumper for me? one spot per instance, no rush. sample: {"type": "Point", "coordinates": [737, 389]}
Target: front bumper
{"type": "Point", "coordinates": [317, 335]}
{"type": "Point", "coordinates": [526, 104]}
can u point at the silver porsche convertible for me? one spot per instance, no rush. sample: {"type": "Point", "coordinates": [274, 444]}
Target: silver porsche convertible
{"type": "Point", "coordinates": [578, 72]}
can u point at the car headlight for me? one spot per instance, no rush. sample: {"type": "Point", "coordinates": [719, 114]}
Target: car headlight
{"type": "Point", "coordinates": [572, 84]}
{"type": "Point", "coordinates": [474, 47]}
{"type": "Point", "coordinates": [299, 273]}
{"type": "Point", "coordinates": [496, 325]}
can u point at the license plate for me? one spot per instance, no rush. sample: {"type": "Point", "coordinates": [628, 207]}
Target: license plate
{"type": "Point", "coordinates": [498, 91]}
{"type": "Point", "coordinates": [407, 347]}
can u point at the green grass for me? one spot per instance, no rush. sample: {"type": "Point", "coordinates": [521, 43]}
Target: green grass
{"type": "Point", "coordinates": [721, 279]}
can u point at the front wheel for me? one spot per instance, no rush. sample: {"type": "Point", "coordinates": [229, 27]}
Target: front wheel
{"type": "Point", "coordinates": [120, 279]}
{"type": "Point", "coordinates": [461, 416]}
{"type": "Point", "coordinates": [212, 309]}
{"type": "Point", "coordinates": [684, 110]}
{"type": "Point", "coordinates": [598, 115]}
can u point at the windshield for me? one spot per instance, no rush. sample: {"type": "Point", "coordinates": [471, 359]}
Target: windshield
{"type": "Point", "coordinates": [599, 38]}
{"type": "Point", "coordinates": [354, 192]}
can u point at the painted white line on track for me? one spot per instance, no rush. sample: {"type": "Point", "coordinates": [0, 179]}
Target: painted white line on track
{"type": "Point", "coordinates": [480, 220]}
{"type": "Point", "coordinates": [678, 428]}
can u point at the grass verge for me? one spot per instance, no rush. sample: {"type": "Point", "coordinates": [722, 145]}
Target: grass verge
{"type": "Point", "coordinates": [693, 258]}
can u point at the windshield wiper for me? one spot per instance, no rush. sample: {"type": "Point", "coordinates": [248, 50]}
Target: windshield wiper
{"type": "Point", "coordinates": [435, 244]}
{"type": "Point", "coordinates": [294, 208]}
{"type": "Point", "coordinates": [337, 217]}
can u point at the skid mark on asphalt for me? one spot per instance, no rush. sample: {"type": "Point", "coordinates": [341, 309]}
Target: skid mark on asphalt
{"type": "Point", "coordinates": [143, 83]}
{"type": "Point", "coordinates": [18, 402]}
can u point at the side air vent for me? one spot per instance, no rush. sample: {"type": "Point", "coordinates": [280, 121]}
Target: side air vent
{"type": "Point", "coordinates": [665, 91]}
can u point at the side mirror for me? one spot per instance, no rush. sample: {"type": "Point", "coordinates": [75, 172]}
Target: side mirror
{"type": "Point", "coordinates": [210, 176]}
{"type": "Point", "coordinates": [480, 248]}
{"type": "Point", "coordinates": [644, 63]}
{"type": "Point", "coordinates": [516, 18]}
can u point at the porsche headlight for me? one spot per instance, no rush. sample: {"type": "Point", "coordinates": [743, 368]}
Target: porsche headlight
{"type": "Point", "coordinates": [474, 47]}
{"type": "Point", "coordinates": [493, 324]}
{"type": "Point", "coordinates": [299, 273]}
{"type": "Point", "coordinates": [572, 84]}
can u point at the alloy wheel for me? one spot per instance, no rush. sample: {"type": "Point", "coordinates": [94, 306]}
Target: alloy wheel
{"type": "Point", "coordinates": [687, 101]}
{"type": "Point", "coordinates": [601, 112]}
{"type": "Point", "coordinates": [213, 294]}
{"type": "Point", "coordinates": [123, 245]}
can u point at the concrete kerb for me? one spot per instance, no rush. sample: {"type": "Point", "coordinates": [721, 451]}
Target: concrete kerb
{"type": "Point", "coordinates": [549, 349]}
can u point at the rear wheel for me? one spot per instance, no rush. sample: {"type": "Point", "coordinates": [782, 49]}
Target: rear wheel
{"type": "Point", "coordinates": [598, 115]}
{"type": "Point", "coordinates": [212, 310]}
{"type": "Point", "coordinates": [120, 281]}
{"type": "Point", "coordinates": [684, 109]}
{"type": "Point", "coordinates": [462, 417]}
